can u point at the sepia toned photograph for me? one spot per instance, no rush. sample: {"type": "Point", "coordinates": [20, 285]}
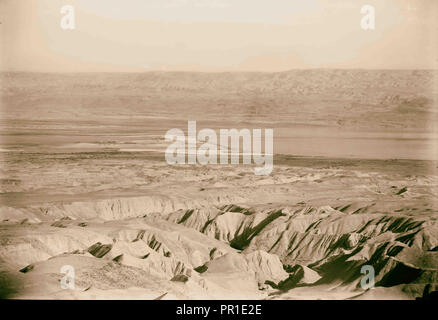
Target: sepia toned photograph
{"type": "Point", "coordinates": [193, 150]}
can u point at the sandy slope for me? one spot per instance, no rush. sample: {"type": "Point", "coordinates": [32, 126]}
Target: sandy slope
{"type": "Point", "coordinates": [83, 183]}
{"type": "Point", "coordinates": [217, 232]}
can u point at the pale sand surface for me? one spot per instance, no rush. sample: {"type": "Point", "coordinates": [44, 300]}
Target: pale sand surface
{"type": "Point", "coordinates": [84, 183]}
{"type": "Point", "coordinates": [331, 215]}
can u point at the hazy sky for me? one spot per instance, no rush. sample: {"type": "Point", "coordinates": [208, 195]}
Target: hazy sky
{"type": "Point", "coordinates": [217, 35]}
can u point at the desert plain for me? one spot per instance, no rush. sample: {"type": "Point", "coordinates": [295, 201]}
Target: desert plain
{"type": "Point", "coordinates": [84, 183]}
